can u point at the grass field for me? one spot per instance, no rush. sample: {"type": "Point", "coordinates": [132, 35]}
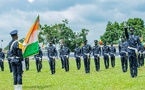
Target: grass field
{"type": "Point", "coordinates": [106, 79]}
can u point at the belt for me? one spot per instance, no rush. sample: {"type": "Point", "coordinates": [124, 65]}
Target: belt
{"type": "Point", "coordinates": [52, 57]}
{"type": "Point", "coordinates": [16, 57]}
{"type": "Point", "coordinates": [86, 53]}
{"type": "Point", "coordinates": [96, 54]}
{"type": "Point", "coordinates": [77, 56]}
{"type": "Point", "coordinates": [124, 51]}
{"type": "Point", "coordinates": [132, 48]}
{"type": "Point", "coordinates": [105, 53]}
{"type": "Point", "coordinates": [140, 52]}
{"type": "Point", "coordinates": [38, 57]}
{"type": "Point", "coordinates": [112, 53]}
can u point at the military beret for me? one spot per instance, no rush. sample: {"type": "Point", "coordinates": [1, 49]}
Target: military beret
{"type": "Point", "coordinates": [85, 40]}
{"type": "Point", "coordinates": [14, 32]}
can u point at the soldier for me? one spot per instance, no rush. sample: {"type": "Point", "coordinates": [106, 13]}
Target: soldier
{"type": "Point", "coordinates": [2, 57]}
{"type": "Point", "coordinates": [140, 56]}
{"type": "Point", "coordinates": [60, 55]}
{"type": "Point", "coordinates": [86, 52]}
{"type": "Point", "coordinates": [38, 59]}
{"type": "Point", "coordinates": [96, 54]}
{"type": "Point", "coordinates": [9, 60]}
{"type": "Point", "coordinates": [123, 55]}
{"type": "Point", "coordinates": [66, 53]}
{"type": "Point", "coordinates": [105, 52]}
{"type": "Point", "coordinates": [112, 55]}
{"type": "Point", "coordinates": [15, 49]}
{"type": "Point", "coordinates": [133, 41]}
{"type": "Point", "coordinates": [77, 55]}
{"type": "Point", "coordinates": [52, 53]}
{"type": "Point", "coordinates": [27, 63]}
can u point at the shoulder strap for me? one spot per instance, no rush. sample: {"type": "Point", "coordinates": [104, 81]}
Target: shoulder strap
{"type": "Point", "coordinates": [13, 44]}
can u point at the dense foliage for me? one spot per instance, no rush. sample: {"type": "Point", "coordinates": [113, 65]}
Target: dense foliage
{"type": "Point", "coordinates": [114, 31]}
{"type": "Point", "coordinates": [61, 31]}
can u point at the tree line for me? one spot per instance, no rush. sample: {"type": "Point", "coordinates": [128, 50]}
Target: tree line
{"type": "Point", "coordinates": [115, 31]}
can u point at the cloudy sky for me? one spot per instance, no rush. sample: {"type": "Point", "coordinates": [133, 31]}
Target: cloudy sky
{"type": "Point", "coordinates": [89, 14]}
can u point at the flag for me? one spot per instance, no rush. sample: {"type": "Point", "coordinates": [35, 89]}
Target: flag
{"type": "Point", "coordinates": [30, 44]}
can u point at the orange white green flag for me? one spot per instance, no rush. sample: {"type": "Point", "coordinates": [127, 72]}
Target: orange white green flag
{"type": "Point", "coordinates": [30, 44]}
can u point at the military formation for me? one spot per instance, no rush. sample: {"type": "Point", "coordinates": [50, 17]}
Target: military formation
{"type": "Point", "coordinates": [131, 53]}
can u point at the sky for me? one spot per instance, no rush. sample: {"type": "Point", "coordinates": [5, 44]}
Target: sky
{"type": "Point", "coordinates": [89, 14]}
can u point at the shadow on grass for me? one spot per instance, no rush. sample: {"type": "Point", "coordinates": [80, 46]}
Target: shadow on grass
{"type": "Point", "coordinates": [141, 76]}
{"type": "Point", "coordinates": [37, 87]}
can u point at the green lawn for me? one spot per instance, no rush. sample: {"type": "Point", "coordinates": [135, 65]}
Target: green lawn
{"type": "Point", "coordinates": [106, 79]}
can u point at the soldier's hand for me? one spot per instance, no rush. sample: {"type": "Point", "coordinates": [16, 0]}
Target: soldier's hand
{"type": "Point", "coordinates": [126, 54]}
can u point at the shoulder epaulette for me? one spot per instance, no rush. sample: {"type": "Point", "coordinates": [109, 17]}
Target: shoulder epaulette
{"type": "Point", "coordinates": [20, 45]}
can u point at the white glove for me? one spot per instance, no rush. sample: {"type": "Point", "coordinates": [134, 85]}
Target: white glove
{"type": "Point", "coordinates": [126, 54]}
{"type": "Point", "coordinates": [53, 57]}
{"type": "Point", "coordinates": [48, 59]}
{"type": "Point", "coordinates": [136, 51]}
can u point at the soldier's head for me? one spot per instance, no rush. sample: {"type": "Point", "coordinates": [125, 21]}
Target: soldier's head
{"type": "Point", "coordinates": [77, 45]}
{"type": "Point", "coordinates": [0, 49]}
{"type": "Point", "coordinates": [111, 43]}
{"type": "Point", "coordinates": [14, 34]}
{"type": "Point", "coordinates": [131, 30]}
{"type": "Point", "coordinates": [104, 43]}
{"type": "Point", "coordinates": [85, 42]}
{"type": "Point", "coordinates": [96, 42]}
{"type": "Point", "coordinates": [122, 40]}
{"type": "Point", "coordinates": [50, 43]}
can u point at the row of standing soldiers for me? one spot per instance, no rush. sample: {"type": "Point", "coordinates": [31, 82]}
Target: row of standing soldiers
{"type": "Point", "coordinates": [96, 51]}
{"type": "Point", "coordinates": [86, 51]}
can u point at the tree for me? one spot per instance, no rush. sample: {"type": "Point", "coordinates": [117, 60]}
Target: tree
{"type": "Point", "coordinates": [112, 33]}
{"type": "Point", "coordinates": [60, 31]}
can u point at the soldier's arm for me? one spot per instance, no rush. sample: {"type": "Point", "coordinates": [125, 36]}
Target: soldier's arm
{"type": "Point", "coordinates": [126, 33]}
{"type": "Point", "coordinates": [68, 51]}
{"type": "Point", "coordinates": [100, 50]}
{"type": "Point", "coordinates": [48, 52]}
{"type": "Point", "coordinates": [3, 56]}
{"type": "Point", "coordinates": [119, 48]}
{"type": "Point", "coordinates": [109, 49]}
{"type": "Point", "coordinates": [56, 54]}
{"type": "Point", "coordinates": [40, 53]}
{"type": "Point", "coordinates": [93, 51]}
{"type": "Point", "coordinates": [59, 52]}
{"type": "Point", "coordinates": [74, 53]}
{"type": "Point", "coordinates": [114, 49]}
{"type": "Point", "coordinates": [82, 51]}
{"type": "Point", "coordinates": [90, 49]}
{"type": "Point", "coordinates": [139, 43]}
